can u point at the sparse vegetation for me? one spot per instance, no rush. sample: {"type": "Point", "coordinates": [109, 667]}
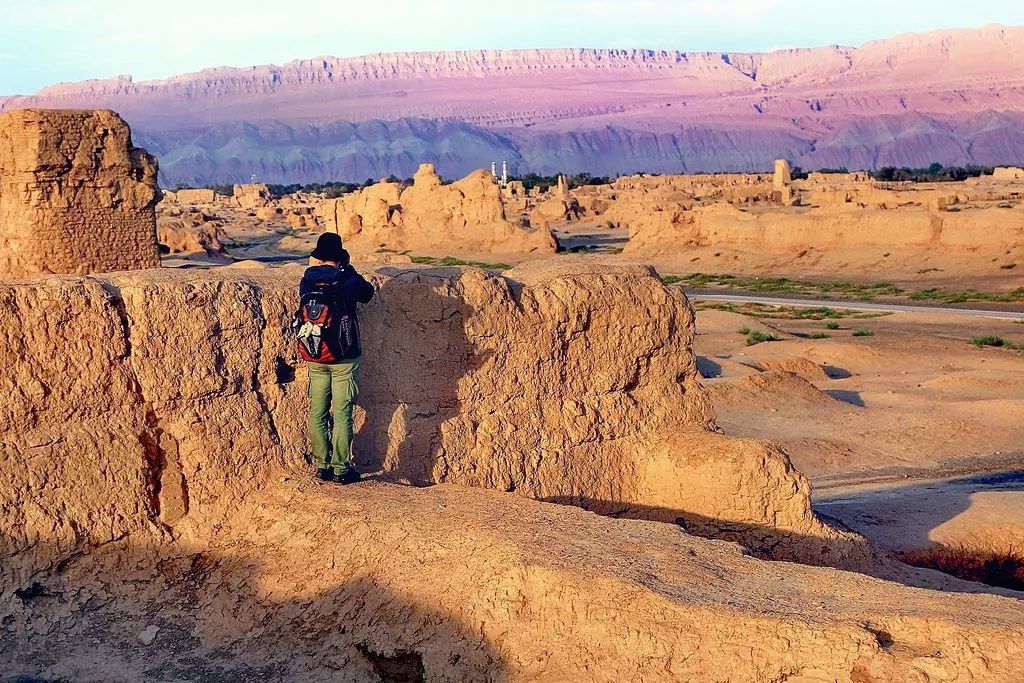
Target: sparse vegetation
{"type": "Point", "coordinates": [819, 335]}
{"type": "Point", "coordinates": [1003, 569]}
{"type": "Point", "coordinates": [988, 340]}
{"type": "Point", "coordinates": [996, 342]}
{"type": "Point", "coordinates": [935, 173]}
{"type": "Point", "coordinates": [757, 336]}
{"type": "Point", "coordinates": [449, 261]}
{"type": "Point", "coordinates": [532, 180]}
{"type": "Point", "coordinates": [759, 310]}
{"type": "Point", "coordinates": [840, 289]}
{"type": "Point", "coordinates": [786, 285]}
{"type": "Point", "coordinates": [952, 296]}
{"type": "Point", "coordinates": [863, 333]}
{"type": "Point", "coordinates": [832, 325]}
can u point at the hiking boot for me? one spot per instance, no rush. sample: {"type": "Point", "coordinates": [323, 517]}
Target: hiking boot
{"type": "Point", "coordinates": [324, 474]}
{"type": "Point", "coordinates": [349, 476]}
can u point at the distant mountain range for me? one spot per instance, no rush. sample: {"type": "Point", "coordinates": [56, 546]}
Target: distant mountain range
{"type": "Point", "coordinates": [954, 97]}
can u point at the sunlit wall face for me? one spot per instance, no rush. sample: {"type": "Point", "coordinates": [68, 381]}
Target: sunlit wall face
{"type": "Point", "coordinates": [45, 41]}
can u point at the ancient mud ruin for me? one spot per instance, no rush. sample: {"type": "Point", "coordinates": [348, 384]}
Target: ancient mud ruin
{"type": "Point", "coordinates": [75, 195]}
{"type": "Point", "coordinates": [193, 525]}
{"type": "Point", "coordinates": [159, 521]}
{"type": "Point", "coordinates": [466, 215]}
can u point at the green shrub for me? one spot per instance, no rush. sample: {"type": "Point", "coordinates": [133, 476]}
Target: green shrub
{"type": "Point", "coordinates": [832, 325]}
{"type": "Point", "coordinates": [863, 333]}
{"type": "Point", "coordinates": [990, 340]}
{"type": "Point", "coordinates": [757, 336]}
{"type": "Point", "coordinates": [820, 335]}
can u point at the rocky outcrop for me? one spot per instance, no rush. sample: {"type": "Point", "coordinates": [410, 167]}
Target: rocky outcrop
{"type": "Point", "coordinates": [465, 216]}
{"type": "Point", "coordinates": [75, 195]}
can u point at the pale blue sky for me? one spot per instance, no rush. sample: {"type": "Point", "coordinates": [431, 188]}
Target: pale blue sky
{"type": "Point", "coordinates": [44, 41]}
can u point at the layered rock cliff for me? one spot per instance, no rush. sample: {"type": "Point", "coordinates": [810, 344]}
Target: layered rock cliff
{"type": "Point", "coordinates": [948, 96]}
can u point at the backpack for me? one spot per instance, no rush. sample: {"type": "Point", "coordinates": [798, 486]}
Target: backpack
{"type": "Point", "coordinates": [324, 327]}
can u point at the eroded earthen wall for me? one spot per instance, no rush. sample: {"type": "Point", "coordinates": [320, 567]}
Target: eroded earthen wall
{"type": "Point", "coordinates": [165, 396]}
{"type": "Point", "coordinates": [75, 195]}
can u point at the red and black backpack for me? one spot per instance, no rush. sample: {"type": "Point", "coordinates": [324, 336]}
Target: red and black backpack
{"type": "Point", "coordinates": [323, 326]}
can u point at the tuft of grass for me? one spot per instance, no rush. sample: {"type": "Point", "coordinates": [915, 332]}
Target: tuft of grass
{"type": "Point", "coordinates": [832, 325]}
{"type": "Point", "coordinates": [1003, 569]}
{"type": "Point", "coordinates": [820, 335]}
{"type": "Point", "coordinates": [757, 337]}
{"type": "Point", "coordinates": [671, 279]}
{"type": "Point", "coordinates": [863, 333]}
{"type": "Point", "coordinates": [450, 261]}
{"type": "Point", "coordinates": [997, 342]}
{"type": "Point", "coordinates": [989, 340]}
{"type": "Point", "coordinates": [744, 330]}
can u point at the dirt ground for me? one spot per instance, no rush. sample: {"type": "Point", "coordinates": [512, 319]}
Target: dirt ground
{"type": "Point", "coordinates": [899, 429]}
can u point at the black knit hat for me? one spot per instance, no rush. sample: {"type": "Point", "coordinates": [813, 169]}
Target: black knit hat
{"type": "Point", "coordinates": [328, 248]}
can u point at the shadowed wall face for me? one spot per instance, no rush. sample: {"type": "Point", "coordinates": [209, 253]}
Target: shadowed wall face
{"type": "Point", "coordinates": [75, 195]}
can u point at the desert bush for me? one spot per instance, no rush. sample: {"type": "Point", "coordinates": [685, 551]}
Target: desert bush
{"type": "Point", "coordinates": [1003, 569]}
{"type": "Point", "coordinates": [988, 340]}
{"type": "Point", "coordinates": [832, 325]}
{"type": "Point", "coordinates": [757, 337]}
{"type": "Point", "coordinates": [863, 333]}
{"type": "Point", "coordinates": [820, 335]}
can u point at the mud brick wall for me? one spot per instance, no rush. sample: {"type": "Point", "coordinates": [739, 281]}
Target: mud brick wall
{"type": "Point", "coordinates": [75, 195]}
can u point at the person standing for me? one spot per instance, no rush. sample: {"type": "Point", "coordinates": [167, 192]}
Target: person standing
{"type": "Point", "coordinates": [327, 330]}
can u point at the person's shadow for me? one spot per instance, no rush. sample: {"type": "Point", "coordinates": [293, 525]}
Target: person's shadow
{"type": "Point", "coordinates": [415, 352]}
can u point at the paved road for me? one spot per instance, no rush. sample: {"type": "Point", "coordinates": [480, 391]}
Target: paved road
{"type": "Point", "coordinates": [853, 305]}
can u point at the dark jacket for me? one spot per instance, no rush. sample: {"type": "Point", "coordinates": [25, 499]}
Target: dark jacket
{"type": "Point", "coordinates": [350, 288]}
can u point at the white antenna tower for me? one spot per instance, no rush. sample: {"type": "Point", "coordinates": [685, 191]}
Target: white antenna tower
{"type": "Point", "coordinates": [504, 173]}
{"type": "Point", "coordinates": [494, 170]}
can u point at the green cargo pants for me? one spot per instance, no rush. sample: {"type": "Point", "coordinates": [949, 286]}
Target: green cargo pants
{"type": "Point", "coordinates": [335, 384]}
